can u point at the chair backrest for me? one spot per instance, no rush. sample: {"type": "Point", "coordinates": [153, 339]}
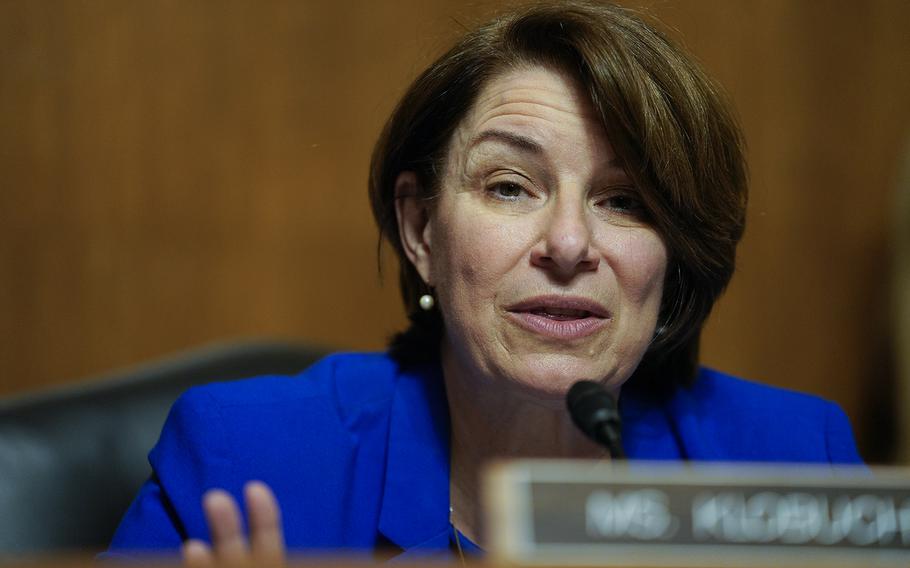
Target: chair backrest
{"type": "Point", "coordinates": [72, 459]}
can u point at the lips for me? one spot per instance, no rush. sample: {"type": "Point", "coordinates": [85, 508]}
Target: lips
{"type": "Point", "coordinates": [559, 317]}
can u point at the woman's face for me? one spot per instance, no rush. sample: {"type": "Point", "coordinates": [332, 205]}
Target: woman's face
{"type": "Point", "coordinates": [543, 262]}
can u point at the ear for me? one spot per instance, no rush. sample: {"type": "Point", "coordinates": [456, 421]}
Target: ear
{"type": "Point", "coordinates": [413, 223]}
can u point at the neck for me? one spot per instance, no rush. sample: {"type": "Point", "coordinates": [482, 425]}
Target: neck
{"type": "Point", "coordinates": [491, 422]}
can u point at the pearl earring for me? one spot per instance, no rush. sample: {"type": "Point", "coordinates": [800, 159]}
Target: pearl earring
{"type": "Point", "coordinates": [427, 302]}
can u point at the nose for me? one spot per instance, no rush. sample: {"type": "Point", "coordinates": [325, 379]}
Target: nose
{"type": "Point", "coordinates": [565, 247]}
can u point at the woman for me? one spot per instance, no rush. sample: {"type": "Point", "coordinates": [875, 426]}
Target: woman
{"type": "Point", "coordinates": [565, 190]}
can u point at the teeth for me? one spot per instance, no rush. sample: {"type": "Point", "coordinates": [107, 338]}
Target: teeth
{"type": "Point", "coordinates": [560, 312]}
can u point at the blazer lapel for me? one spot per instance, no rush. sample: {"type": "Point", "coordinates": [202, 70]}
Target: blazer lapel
{"type": "Point", "coordinates": [695, 443]}
{"type": "Point", "coordinates": [415, 503]}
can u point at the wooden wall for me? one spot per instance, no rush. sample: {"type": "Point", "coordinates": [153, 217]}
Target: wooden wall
{"type": "Point", "coordinates": [175, 173]}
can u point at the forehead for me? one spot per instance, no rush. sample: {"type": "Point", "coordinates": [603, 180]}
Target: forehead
{"type": "Point", "coordinates": [529, 96]}
{"type": "Point", "coordinates": [539, 110]}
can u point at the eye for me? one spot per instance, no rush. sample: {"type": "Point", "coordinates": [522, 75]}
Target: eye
{"type": "Point", "coordinates": [506, 191]}
{"type": "Point", "coordinates": [620, 200]}
{"type": "Point", "coordinates": [623, 202]}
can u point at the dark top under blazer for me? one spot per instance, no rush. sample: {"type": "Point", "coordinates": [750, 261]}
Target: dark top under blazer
{"type": "Point", "coordinates": [357, 451]}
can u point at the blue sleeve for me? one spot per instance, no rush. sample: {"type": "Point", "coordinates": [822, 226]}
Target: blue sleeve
{"type": "Point", "coordinates": [839, 440]}
{"type": "Point", "coordinates": [188, 458]}
{"type": "Point", "coordinates": [149, 525]}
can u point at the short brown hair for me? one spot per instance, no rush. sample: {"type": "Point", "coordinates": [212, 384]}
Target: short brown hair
{"type": "Point", "coordinates": [667, 121]}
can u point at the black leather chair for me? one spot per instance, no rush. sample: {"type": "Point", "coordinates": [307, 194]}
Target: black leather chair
{"type": "Point", "coordinates": [72, 459]}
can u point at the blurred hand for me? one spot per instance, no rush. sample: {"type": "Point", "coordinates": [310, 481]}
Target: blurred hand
{"type": "Point", "coordinates": [230, 546]}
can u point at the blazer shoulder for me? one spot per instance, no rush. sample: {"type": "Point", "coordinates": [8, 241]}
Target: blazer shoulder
{"type": "Point", "coordinates": [750, 420]}
{"type": "Point", "coordinates": [337, 397]}
{"type": "Point", "coordinates": [348, 380]}
{"type": "Point", "coordinates": [714, 387]}
{"type": "Point", "coordinates": [284, 430]}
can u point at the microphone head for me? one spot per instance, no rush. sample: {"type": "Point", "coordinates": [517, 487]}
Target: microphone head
{"type": "Point", "coordinates": [591, 407]}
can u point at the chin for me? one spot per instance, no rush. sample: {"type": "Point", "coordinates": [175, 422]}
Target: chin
{"type": "Point", "coordinates": [548, 379]}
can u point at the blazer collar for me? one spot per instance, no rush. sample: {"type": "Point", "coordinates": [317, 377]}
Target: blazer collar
{"type": "Point", "coordinates": [415, 503]}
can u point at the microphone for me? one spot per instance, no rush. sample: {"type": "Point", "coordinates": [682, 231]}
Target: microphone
{"type": "Point", "coordinates": [594, 411]}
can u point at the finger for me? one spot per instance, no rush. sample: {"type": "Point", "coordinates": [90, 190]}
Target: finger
{"type": "Point", "coordinates": [197, 554]}
{"type": "Point", "coordinates": [266, 535]}
{"type": "Point", "coordinates": [225, 526]}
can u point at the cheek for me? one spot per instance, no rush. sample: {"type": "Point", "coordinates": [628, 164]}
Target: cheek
{"type": "Point", "coordinates": [640, 262]}
{"type": "Point", "coordinates": [472, 255]}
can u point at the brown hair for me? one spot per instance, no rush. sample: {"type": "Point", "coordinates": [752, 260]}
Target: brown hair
{"type": "Point", "coordinates": [667, 121]}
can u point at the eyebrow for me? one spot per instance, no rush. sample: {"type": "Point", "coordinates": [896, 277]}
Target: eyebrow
{"type": "Point", "coordinates": [521, 142]}
{"type": "Point", "coordinates": [510, 138]}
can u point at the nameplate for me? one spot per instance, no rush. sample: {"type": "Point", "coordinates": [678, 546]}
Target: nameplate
{"type": "Point", "coordinates": [645, 514]}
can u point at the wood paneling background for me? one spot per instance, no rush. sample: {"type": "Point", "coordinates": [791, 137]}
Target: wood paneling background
{"type": "Point", "coordinates": [175, 173]}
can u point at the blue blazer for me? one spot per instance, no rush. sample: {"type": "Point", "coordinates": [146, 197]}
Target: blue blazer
{"type": "Point", "coordinates": [357, 451]}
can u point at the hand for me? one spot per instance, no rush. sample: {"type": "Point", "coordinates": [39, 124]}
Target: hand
{"type": "Point", "coordinates": [230, 546]}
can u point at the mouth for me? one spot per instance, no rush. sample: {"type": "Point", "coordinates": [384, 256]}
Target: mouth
{"type": "Point", "coordinates": [560, 314]}
{"type": "Point", "coordinates": [560, 307]}
{"type": "Point", "coordinates": [559, 317]}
